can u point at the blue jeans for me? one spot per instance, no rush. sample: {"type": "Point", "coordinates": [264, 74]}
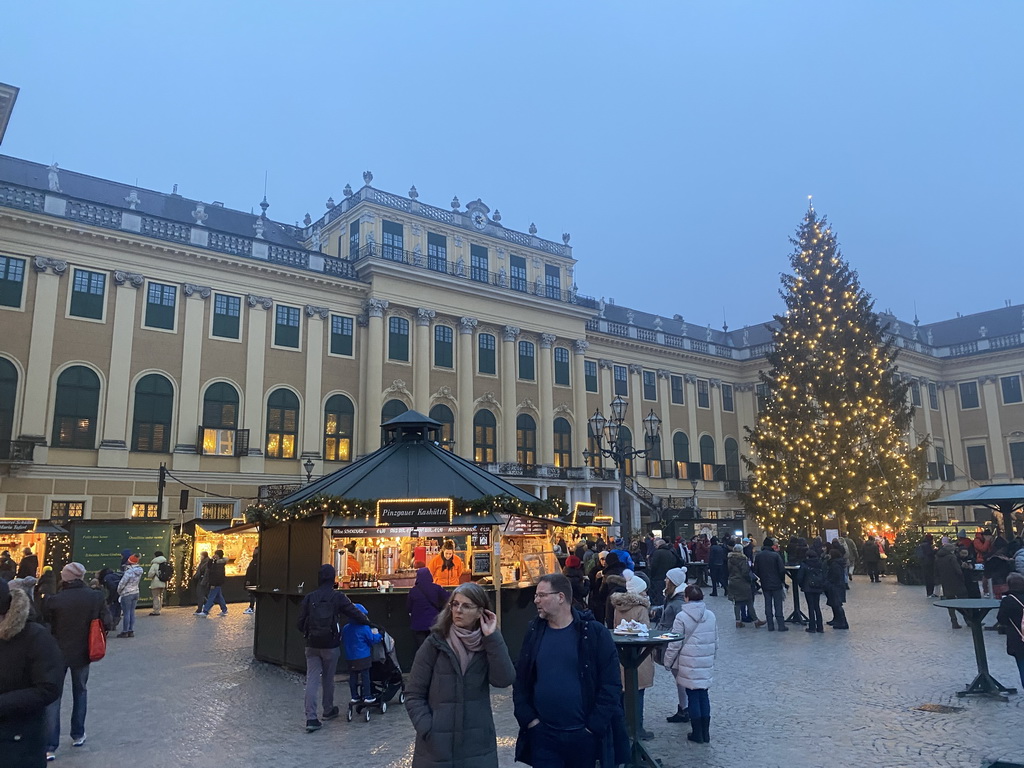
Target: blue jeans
{"type": "Point", "coordinates": [128, 610]}
{"type": "Point", "coordinates": [698, 703]}
{"type": "Point", "coordinates": [562, 749]}
{"type": "Point", "coordinates": [357, 677]}
{"type": "Point", "coordinates": [79, 697]}
{"type": "Point", "coordinates": [320, 666]}
{"type": "Point", "coordinates": [216, 596]}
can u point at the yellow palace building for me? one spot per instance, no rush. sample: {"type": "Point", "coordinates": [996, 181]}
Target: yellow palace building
{"type": "Point", "coordinates": [141, 328]}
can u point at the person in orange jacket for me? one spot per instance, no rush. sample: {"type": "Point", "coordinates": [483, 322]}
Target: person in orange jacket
{"type": "Point", "coordinates": [447, 567]}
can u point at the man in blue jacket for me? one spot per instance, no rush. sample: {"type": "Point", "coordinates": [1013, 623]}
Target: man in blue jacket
{"type": "Point", "coordinates": [568, 693]}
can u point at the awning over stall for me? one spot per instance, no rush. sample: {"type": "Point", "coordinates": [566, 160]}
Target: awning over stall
{"type": "Point", "coordinates": [1005, 499]}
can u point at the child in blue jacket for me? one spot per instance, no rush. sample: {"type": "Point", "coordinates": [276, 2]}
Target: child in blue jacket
{"type": "Point", "coordinates": [359, 641]}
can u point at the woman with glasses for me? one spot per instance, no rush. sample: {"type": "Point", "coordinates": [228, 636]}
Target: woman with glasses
{"type": "Point", "coordinates": [448, 692]}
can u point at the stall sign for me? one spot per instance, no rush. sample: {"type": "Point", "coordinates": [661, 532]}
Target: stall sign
{"type": "Point", "coordinates": [481, 563]}
{"type": "Point", "coordinates": [422, 531]}
{"type": "Point", "coordinates": [525, 526]}
{"type": "Point", "coordinates": [17, 525]}
{"type": "Point", "coordinates": [414, 512]}
{"type": "Point", "coordinates": [584, 513]}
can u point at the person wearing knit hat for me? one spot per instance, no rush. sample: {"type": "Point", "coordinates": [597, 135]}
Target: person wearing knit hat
{"type": "Point", "coordinates": [70, 614]}
{"type": "Point", "coordinates": [573, 571]}
{"type": "Point", "coordinates": [128, 591]}
{"type": "Point", "coordinates": [675, 583]}
{"type": "Point", "coordinates": [634, 605]}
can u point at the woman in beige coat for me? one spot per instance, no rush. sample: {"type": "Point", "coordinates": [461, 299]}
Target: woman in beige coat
{"type": "Point", "coordinates": [634, 605]}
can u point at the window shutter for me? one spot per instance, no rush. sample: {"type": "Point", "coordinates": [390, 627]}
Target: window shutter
{"type": "Point", "coordinates": [199, 441]}
{"type": "Point", "coordinates": [241, 442]}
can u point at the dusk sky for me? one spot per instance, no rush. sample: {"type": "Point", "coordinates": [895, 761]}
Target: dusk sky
{"type": "Point", "coordinates": [677, 142]}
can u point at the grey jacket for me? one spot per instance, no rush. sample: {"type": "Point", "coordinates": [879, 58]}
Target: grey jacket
{"type": "Point", "coordinates": [451, 712]}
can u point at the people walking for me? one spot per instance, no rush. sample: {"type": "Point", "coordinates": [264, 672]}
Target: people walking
{"type": "Point", "coordinates": [359, 640]}
{"type": "Point", "coordinates": [448, 694]}
{"type": "Point", "coordinates": [835, 585]}
{"type": "Point", "coordinates": [812, 582]}
{"type": "Point", "coordinates": [424, 602]}
{"type": "Point", "coordinates": [675, 583]}
{"type": "Point", "coordinates": [252, 579]}
{"type": "Point", "coordinates": [771, 572]}
{"type": "Point", "coordinates": [1011, 617]}
{"type": "Point", "coordinates": [128, 594]}
{"type": "Point", "coordinates": [201, 578]}
{"type": "Point", "coordinates": [31, 679]}
{"type": "Point", "coordinates": [634, 605]}
{"type": "Point", "coordinates": [692, 660]}
{"type": "Point", "coordinates": [70, 614]}
{"type": "Point", "coordinates": [158, 567]}
{"type": "Point", "coordinates": [216, 577]}
{"type": "Point", "coordinates": [29, 565]}
{"type": "Point", "coordinates": [741, 587]}
{"type": "Point", "coordinates": [567, 692]}
{"type": "Point", "coordinates": [871, 556]}
{"type": "Point", "coordinates": [320, 617]}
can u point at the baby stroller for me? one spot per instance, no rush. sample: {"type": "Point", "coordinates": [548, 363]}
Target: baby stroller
{"type": "Point", "coordinates": [385, 679]}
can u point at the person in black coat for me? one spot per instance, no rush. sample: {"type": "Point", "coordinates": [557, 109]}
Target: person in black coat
{"type": "Point", "coordinates": [1011, 611]}
{"type": "Point", "coordinates": [612, 567]}
{"type": "Point", "coordinates": [924, 553]}
{"type": "Point", "coordinates": [252, 579]}
{"type": "Point", "coordinates": [573, 571]}
{"type": "Point", "coordinates": [871, 556]}
{"type": "Point", "coordinates": [29, 565]}
{"type": "Point", "coordinates": [812, 582]}
{"type": "Point", "coordinates": [69, 614]}
{"type": "Point", "coordinates": [30, 680]}
{"type": "Point", "coordinates": [717, 557]}
{"type": "Point", "coordinates": [664, 559]}
{"type": "Point", "coordinates": [835, 580]}
{"type": "Point", "coordinates": [771, 572]}
{"type": "Point", "coordinates": [8, 568]}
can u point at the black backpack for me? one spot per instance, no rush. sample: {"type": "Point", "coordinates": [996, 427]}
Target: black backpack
{"type": "Point", "coordinates": [815, 579]}
{"type": "Point", "coordinates": [322, 622]}
{"type": "Point", "coordinates": [165, 571]}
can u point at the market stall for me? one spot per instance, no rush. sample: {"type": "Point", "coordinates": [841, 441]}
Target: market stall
{"type": "Point", "coordinates": [38, 536]}
{"type": "Point", "coordinates": [235, 537]}
{"type": "Point", "coordinates": [584, 523]}
{"type": "Point", "coordinates": [376, 520]}
{"type": "Point", "coordinates": [98, 544]}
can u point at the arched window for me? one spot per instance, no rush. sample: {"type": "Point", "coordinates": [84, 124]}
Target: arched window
{"type": "Point", "coordinates": [563, 443]}
{"type": "Point", "coordinates": [653, 459]}
{"type": "Point", "coordinates": [151, 422]}
{"type": "Point", "coordinates": [732, 465]}
{"type": "Point", "coordinates": [282, 424]}
{"type": "Point", "coordinates": [218, 434]}
{"type": "Point", "coordinates": [484, 437]}
{"type": "Point", "coordinates": [681, 454]}
{"type": "Point", "coordinates": [8, 391]}
{"type": "Point", "coordinates": [707, 457]}
{"type": "Point", "coordinates": [626, 441]}
{"type": "Point", "coordinates": [443, 414]}
{"type": "Point", "coordinates": [526, 440]}
{"type": "Point", "coordinates": [76, 408]}
{"type": "Point", "coordinates": [339, 424]}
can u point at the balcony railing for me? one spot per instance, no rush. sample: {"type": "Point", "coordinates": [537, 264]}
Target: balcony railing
{"type": "Point", "coordinates": [17, 451]}
{"type": "Point", "coordinates": [465, 271]}
{"type": "Point", "coordinates": [548, 472]}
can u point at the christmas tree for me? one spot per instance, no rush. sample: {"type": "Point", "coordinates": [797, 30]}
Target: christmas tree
{"type": "Point", "coordinates": [830, 444]}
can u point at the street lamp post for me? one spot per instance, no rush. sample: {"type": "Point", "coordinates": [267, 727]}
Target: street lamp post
{"type": "Point", "coordinates": [609, 430]}
{"type": "Point", "coordinates": [693, 499]}
{"type": "Point", "coordinates": [308, 466]}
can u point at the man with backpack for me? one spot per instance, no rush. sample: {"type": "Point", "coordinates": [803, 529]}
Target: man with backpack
{"type": "Point", "coordinates": [160, 572]}
{"type": "Point", "coordinates": [319, 621]}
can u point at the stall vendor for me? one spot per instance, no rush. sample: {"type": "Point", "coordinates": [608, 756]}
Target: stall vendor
{"type": "Point", "coordinates": [446, 567]}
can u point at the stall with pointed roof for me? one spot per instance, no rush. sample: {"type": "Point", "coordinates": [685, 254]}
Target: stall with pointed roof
{"type": "Point", "coordinates": [374, 519]}
{"type": "Point", "coordinates": [1005, 499]}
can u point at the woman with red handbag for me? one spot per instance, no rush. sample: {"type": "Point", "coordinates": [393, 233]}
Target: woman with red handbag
{"type": "Point", "coordinates": [71, 614]}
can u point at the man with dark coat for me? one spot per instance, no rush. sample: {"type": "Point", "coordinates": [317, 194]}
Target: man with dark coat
{"type": "Point", "coordinates": [871, 556]}
{"type": "Point", "coordinates": [29, 565]}
{"type": "Point", "coordinates": [69, 614]}
{"type": "Point", "coordinates": [8, 568]}
{"type": "Point", "coordinates": [771, 572]}
{"type": "Point", "coordinates": [30, 680]}
{"type": "Point", "coordinates": [567, 693]}
{"type": "Point", "coordinates": [613, 566]}
{"type": "Point", "coordinates": [319, 622]}
{"type": "Point", "coordinates": [252, 579]}
{"type": "Point", "coordinates": [717, 556]}
{"type": "Point", "coordinates": [660, 563]}
{"type": "Point", "coordinates": [950, 575]}
{"type": "Point", "coordinates": [835, 582]}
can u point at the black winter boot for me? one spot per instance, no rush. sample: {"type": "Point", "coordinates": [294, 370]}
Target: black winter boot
{"type": "Point", "coordinates": [705, 727]}
{"type": "Point", "coordinates": [681, 716]}
{"type": "Point", "coordinates": [697, 734]}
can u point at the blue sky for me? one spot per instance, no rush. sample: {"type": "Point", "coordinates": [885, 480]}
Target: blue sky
{"type": "Point", "coordinates": [677, 142]}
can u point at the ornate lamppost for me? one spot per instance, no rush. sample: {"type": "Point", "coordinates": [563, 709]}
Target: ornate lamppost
{"type": "Point", "coordinates": [308, 466]}
{"type": "Point", "coordinates": [609, 431]}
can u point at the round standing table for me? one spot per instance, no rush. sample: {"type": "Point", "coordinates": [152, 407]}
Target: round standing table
{"type": "Point", "coordinates": [973, 610]}
{"type": "Point", "coordinates": [633, 650]}
{"type": "Point", "coordinates": [797, 616]}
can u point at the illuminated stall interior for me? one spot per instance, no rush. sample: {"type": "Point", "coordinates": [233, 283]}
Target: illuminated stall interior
{"type": "Point", "coordinates": [17, 534]}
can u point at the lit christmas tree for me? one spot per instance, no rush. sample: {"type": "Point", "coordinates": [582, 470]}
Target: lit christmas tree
{"type": "Point", "coordinates": [830, 445]}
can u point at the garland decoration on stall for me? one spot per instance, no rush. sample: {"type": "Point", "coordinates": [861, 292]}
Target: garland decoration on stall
{"type": "Point", "coordinates": [270, 513]}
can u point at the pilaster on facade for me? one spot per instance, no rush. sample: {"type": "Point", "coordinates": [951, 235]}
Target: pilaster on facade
{"type": "Point", "coordinates": [464, 376]}
{"type": "Point", "coordinates": [545, 396]}
{"type": "Point", "coordinates": [40, 354]}
{"type": "Point", "coordinates": [114, 442]}
{"type": "Point", "coordinates": [509, 372]}
{"type": "Point", "coordinates": [421, 360]}
{"type": "Point", "coordinates": [255, 372]}
{"type": "Point", "coordinates": [185, 456]}
{"type": "Point", "coordinates": [990, 401]}
{"type": "Point", "coordinates": [579, 399]}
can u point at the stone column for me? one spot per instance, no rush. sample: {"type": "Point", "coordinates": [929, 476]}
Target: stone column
{"type": "Point", "coordinates": [507, 436]}
{"type": "Point", "coordinates": [579, 401]}
{"type": "Point", "coordinates": [955, 451]}
{"type": "Point", "coordinates": [665, 398]}
{"type": "Point", "coordinates": [691, 411]}
{"type": "Point", "coordinates": [715, 387]}
{"type": "Point", "coordinates": [546, 428]}
{"type": "Point", "coordinates": [312, 431]}
{"type": "Point", "coordinates": [255, 365]}
{"type": "Point", "coordinates": [421, 361]}
{"type": "Point", "coordinates": [373, 357]}
{"type": "Point", "coordinates": [990, 402]}
{"type": "Point", "coordinates": [114, 439]}
{"type": "Point", "coordinates": [194, 300]}
{"type": "Point", "coordinates": [40, 353]}
{"type": "Point", "coordinates": [465, 368]}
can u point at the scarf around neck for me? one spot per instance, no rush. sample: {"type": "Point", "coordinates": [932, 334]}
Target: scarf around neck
{"type": "Point", "coordinates": [465, 642]}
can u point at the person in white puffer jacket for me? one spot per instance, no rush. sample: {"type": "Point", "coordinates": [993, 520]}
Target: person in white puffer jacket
{"type": "Point", "coordinates": [692, 659]}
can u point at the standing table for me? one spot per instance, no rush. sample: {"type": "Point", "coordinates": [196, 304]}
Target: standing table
{"type": "Point", "coordinates": [797, 616]}
{"type": "Point", "coordinates": [633, 650]}
{"type": "Point", "coordinates": [973, 610]}
{"type": "Point", "coordinates": [700, 572]}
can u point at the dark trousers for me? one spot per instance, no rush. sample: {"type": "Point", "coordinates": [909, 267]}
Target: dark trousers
{"type": "Point", "coordinates": [420, 636]}
{"type": "Point", "coordinates": [872, 569]}
{"type": "Point", "coordinates": [719, 577]}
{"type": "Point", "coordinates": [774, 606]}
{"type": "Point", "coordinates": [657, 592]}
{"type": "Point", "coordinates": [562, 749]}
{"type": "Point", "coordinates": [79, 695]}
{"type": "Point", "coordinates": [698, 703]}
{"type": "Point", "coordinates": [357, 677]}
{"type": "Point", "coordinates": [814, 618]}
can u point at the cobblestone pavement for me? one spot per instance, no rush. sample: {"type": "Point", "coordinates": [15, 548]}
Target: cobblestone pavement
{"type": "Point", "coordinates": [186, 692]}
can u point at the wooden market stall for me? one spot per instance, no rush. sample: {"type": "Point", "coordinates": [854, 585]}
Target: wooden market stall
{"type": "Point", "coordinates": [18, 534]}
